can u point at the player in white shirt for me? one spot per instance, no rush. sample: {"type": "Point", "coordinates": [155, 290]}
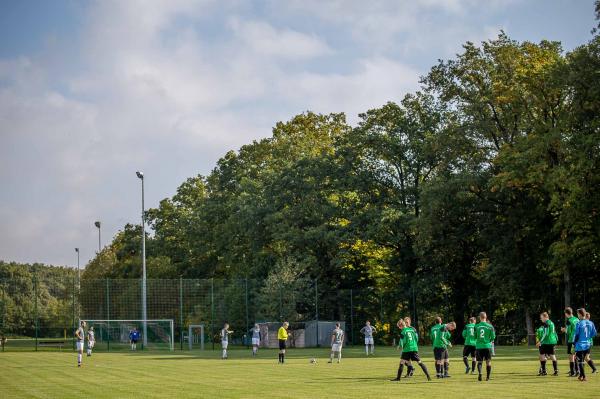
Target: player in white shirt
{"type": "Point", "coordinates": [91, 341]}
{"type": "Point", "coordinates": [225, 339]}
{"type": "Point", "coordinates": [368, 330]}
{"type": "Point", "coordinates": [255, 339]}
{"type": "Point", "coordinates": [337, 341]}
{"type": "Point", "coordinates": [79, 340]}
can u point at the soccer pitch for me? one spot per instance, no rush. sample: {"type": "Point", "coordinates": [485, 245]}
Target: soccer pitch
{"type": "Point", "coordinates": [204, 375]}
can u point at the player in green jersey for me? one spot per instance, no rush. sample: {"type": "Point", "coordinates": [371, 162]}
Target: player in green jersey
{"type": "Point", "coordinates": [547, 343]}
{"type": "Point", "coordinates": [440, 337]}
{"type": "Point", "coordinates": [469, 348]}
{"type": "Point", "coordinates": [485, 336]}
{"type": "Point", "coordinates": [538, 336]}
{"type": "Point", "coordinates": [410, 370]}
{"type": "Point", "coordinates": [410, 350]}
{"type": "Point", "coordinates": [569, 330]}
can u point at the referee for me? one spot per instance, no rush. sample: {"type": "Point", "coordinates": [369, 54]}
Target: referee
{"type": "Point", "coordinates": [282, 336]}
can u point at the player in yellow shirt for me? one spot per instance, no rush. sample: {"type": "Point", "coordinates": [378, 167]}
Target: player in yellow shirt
{"type": "Point", "coordinates": [282, 336]}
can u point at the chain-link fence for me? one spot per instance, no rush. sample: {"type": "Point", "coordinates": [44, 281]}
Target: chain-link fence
{"type": "Point", "coordinates": [42, 314]}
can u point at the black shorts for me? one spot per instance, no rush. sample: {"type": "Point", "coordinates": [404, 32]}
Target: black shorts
{"type": "Point", "coordinates": [410, 356]}
{"type": "Point", "coordinates": [282, 344]}
{"type": "Point", "coordinates": [570, 348]}
{"type": "Point", "coordinates": [440, 353]}
{"type": "Point", "coordinates": [469, 350]}
{"type": "Point", "coordinates": [134, 341]}
{"type": "Point", "coordinates": [483, 354]}
{"type": "Point", "coordinates": [546, 349]}
{"type": "Point", "coordinates": [581, 355]}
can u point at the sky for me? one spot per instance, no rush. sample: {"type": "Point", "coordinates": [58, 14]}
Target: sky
{"type": "Point", "coordinates": [92, 91]}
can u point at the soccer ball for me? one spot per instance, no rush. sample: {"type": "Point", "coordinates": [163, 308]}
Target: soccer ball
{"type": "Point", "coordinates": [313, 361]}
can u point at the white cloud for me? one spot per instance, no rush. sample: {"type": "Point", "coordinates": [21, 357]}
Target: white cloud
{"type": "Point", "coordinates": [264, 39]}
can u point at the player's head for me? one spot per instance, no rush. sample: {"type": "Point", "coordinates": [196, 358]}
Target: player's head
{"type": "Point", "coordinates": [82, 323]}
{"type": "Point", "coordinates": [588, 316]}
{"type": "Point", "coordinates": [438, 320]}
{"type": "Point", "coordinates": [472, 320]}
{"type": "Point", "coordinates": [226, 325]}
{"type": "Point", "coordinates": [368, 322]}
{"type": "Point", "coordinates": [568, 311]}
{"type": "Point", "coordinates": [482, 316]}
{"type": "Point", "coordinates": [407, 321]}
{"type": "Point", "coordinates": [581, 313]}
{"type": "Point", "coordinates": [337, 325]}
{"type": "Point", "coordinates": [451, 326]}
{"type": "Point", "coordinates": [256, 326]}
{"type": "Point", "coordinates": [286, 324]}
{"type": "Point", "coordinates": [401, 324]}
{"type": "Point", "coordinates": [91, 328]}
{"type": "Point", "coordinates": [544, 317]}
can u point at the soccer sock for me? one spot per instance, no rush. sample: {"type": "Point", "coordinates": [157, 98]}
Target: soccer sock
{"type": "Point", "coordinates": [367, 349]}
{"type": "Point", "coordinates": [224, 354]}
{"type": "Point", "coordinates": [446, 367]}
{"type": "Point", "coordinates": [479, 364]}
{"type": "Point", "coordinates": [488, 371]}
{"type": "Point", "coordinates": [279, 360]}
{"type": "Point", "coordinates": [410, 369]}
{"type": "Point", "coordinates": [372, 349]}
{"type": "Point", "coordinates": [400, 370]}
{"type": "Point", "coordinates": [466, 361]}
{"type": "Point", "coordinates": [437, 369]}
{"type": "Point", "coordinates": [581, 370]}
{"type": "Point", "coordinates": [543, 363]}
{"type": "Point", "coordinates": [591, 364]}
{"type": "Point", "coordinates": [424, 368]}
{"type": "Point", "coordinates": [572, 367]}
{"type": "Point", "coordinates": [79, 358]}
{"type": "Point", "coordinates": [473, 363]}
{"type": "Point", "coordinates": [555, 365]}
{"type": "Point", "coordinates": [339, 356]}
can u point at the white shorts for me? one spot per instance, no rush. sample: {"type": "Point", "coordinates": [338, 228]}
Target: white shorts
{"type": "Point", "coordinates": [224, 344]}
{"type": "Point", "coordinates": [91, 344]}
{"type": "Point", "coordinates": [336, 347]}
{"type": "Point", "coordinates": [369, 341]}
{"type": "Point", "coordinates": [79, 346]}
{"type": "Point", "coordinates": [256, 341]}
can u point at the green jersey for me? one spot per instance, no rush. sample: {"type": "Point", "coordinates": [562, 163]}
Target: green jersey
{"type": "Point", "coordinates": [440, 337]}
{"type": "Point", "coordinates": [409, 340]}
{"type": "Point", "coordinates": [549, 337]}
{"type": "Point", "coordinates": [485, 334]}
{"type": "Point", "coordinates": [571, 324]}
{"type": "Point", "coordinates": [469, 334]}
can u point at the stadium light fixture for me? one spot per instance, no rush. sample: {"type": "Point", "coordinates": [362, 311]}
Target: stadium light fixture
{"type": "Point", "coordinates": [140, 176]}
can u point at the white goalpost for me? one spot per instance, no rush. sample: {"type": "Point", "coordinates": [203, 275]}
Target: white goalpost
{"type": "Point", "coordinates": [160, 332]}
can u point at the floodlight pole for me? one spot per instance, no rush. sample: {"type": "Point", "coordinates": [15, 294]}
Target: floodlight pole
{"type": "Point", "coordinates": [78, 272]}
{"type": "Point", "coordinates": [140, 175]}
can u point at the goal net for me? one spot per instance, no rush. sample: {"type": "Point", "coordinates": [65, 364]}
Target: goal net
{"type": "Point", "coordinates": [114, 334]}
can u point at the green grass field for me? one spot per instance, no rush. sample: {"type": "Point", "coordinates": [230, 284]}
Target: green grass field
{"type": "Point", "coordinates": [203, 375]}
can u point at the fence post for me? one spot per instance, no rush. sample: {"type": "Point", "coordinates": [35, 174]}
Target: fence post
{"type": "Point", "coordinates": [351, 317]}
{"type": "Point", "coordinates": [212, 311]}
{"type": "Point", "coordinates": [35, 309]}
{"type": "Point", "coordinates": [181, 313]}
{"type": "Point", "coordinates": [317, 309]}
{"type": "Point", "coordinates": [107, 315]}
{"type": "Point", "coordinates": [74, 325]}
{"type": "Point", "coordinates": [247, 315]}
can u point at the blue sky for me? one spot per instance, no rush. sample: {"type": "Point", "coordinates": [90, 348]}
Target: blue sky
{"type": "Point", "coordinates": [92, 91]}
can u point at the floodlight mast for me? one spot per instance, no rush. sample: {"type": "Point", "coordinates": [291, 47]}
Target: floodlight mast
{"type": "Point", "coordinates": [140, 176]}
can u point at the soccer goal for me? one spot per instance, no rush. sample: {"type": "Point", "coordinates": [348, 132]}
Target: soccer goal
{"type": "Point", "coordinates": [115, 333]}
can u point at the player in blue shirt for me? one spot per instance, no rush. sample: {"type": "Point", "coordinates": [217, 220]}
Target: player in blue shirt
{"type": "Point", "coordinates": [134, 336]}
{"type": "Point", "coordinates": [584, 333]}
